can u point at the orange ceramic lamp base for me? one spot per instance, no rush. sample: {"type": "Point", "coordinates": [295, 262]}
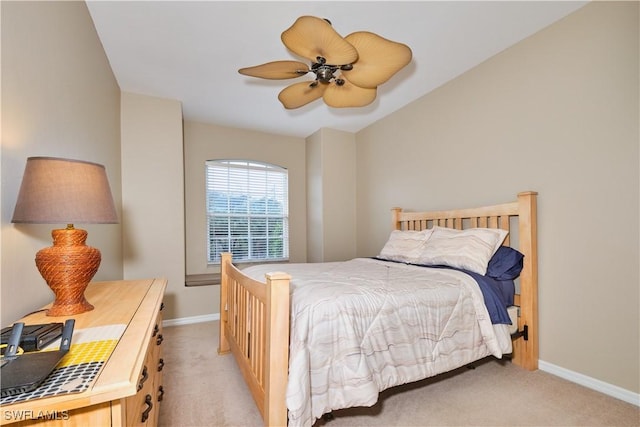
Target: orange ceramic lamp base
{"type": "Point", "coordinates": [68, 266]}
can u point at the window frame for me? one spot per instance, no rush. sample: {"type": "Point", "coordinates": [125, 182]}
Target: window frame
{"type": "Point", "coordinates": [249, 193]}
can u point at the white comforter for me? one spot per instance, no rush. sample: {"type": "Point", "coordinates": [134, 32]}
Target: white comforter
{"type": "Point", "coordinates": [361, 326]}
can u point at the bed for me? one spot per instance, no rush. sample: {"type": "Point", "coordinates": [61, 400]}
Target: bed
{"type": "Point", "coordinates": [333, 335]}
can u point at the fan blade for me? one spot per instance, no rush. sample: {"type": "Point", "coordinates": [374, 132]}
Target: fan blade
{"type": "Point", "coordinates": [277, 70]}
{"type": "Point", "coordinates": [349, 95]}
{"type": "Point", "coordinates": [311, 37]}
{"type": "Point", "coordinates": [378, 59]}
{"type": "Point", "coordinates": [299, 94]}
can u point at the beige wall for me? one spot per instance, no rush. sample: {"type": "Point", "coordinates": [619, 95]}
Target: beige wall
{"type": "Point", "coordinates": [153, 202]}
{"type": "Point", "coordinates": [315, 185]}
{"type": "Point", "coordinates": [204, 142]}
{"type": "Point", "coordinates": [556, 113]}
{"type": "Point", "coordinates": [60, 99]}
{"type": "Point", "coordinates": [331, 196]}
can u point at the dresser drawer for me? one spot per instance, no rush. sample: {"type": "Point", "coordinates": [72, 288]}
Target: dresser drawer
{"type": "Point", "coordinates": [142, 409]}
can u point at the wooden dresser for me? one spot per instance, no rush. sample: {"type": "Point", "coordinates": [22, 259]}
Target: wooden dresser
{"type": "Point", "coordinates": [128, 387]}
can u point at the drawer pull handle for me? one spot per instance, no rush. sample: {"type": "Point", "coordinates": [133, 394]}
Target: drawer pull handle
{"type": "Point", "coordinates": [161, 306]}
{"type": "Point", "coordinates": [159, 339]}
{"type": "Point", "coordinates": [145, 414]}
{"type": "Point", "coordinates": [156, 329]}
{"type": "Point", "coordinates": [160, 364]}
{"type": "Point", "coordinates": [145, 375]}
{"type": "Point", "coordinates": [160, 393]}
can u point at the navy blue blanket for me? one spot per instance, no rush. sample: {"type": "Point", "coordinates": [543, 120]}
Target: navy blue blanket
{"type": "Point", "coordinates": [498, 294]}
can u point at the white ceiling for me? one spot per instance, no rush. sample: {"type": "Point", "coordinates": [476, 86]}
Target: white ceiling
{"type": "Point", "coordinates": [190, 51]}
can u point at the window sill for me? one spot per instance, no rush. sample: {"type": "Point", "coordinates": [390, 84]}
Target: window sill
{"type": "Point", "coordinates": [202, 279]}
{"type": "Point", "coordinates": [210, 279]}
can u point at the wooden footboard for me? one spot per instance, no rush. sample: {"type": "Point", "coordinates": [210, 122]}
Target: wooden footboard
{"type": "Point", "coordinates": [254, 326]}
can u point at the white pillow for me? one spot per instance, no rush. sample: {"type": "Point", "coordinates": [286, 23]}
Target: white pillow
{"type": "Point", "coordinates": [469, 249]}
{"type": "Point", "coordinates": [405, 246]}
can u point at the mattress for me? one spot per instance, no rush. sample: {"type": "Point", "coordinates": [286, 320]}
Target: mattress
{"type": "Point", "coordinates": [513, 315]}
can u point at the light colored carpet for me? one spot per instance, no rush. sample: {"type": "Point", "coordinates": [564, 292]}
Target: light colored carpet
{"type": "Point", "coordinates": [204, 389]}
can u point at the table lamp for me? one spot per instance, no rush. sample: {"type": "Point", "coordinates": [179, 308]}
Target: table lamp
{"type": "Point", "coordinates": [66, 191]}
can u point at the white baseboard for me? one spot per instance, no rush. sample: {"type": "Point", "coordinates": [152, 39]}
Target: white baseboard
{"type": "Point", "coordinates": [192, 319]}
{"type": "Point", "coordinates": [592, 383]}
{"type": "Point", "coordinates": [575, 377]}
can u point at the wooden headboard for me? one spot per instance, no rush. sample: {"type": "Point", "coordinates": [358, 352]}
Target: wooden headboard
{"type": "Point", "coordinates": [520, 215]}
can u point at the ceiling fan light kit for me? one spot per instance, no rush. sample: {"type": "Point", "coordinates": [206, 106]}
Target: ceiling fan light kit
{"type": "Point", "coordinates": [347, 70]}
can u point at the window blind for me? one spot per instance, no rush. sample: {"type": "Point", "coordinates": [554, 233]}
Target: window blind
{"type": "Point", "coordinates": [247, 211]}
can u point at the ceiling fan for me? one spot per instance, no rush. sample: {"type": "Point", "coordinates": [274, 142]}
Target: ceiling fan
{"type": "Point", "coordinates": [347, 70]}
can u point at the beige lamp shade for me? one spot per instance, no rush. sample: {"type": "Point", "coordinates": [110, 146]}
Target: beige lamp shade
{"type": "Point", "coordinates": [64, 191]}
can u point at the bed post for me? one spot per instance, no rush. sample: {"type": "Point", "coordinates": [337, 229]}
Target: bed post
{"type": "Point", "coordinates": [223, 343]}
{"type": "Point", "coordinates": [526, 351]}
{"type": "Point", "coordinates": [277, 349]}
{"type": "Point", "coordinates": [395, 218]}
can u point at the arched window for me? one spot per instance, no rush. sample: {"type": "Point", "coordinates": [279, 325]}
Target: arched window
{"type": "Point", "coordinates": [247, 211]}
